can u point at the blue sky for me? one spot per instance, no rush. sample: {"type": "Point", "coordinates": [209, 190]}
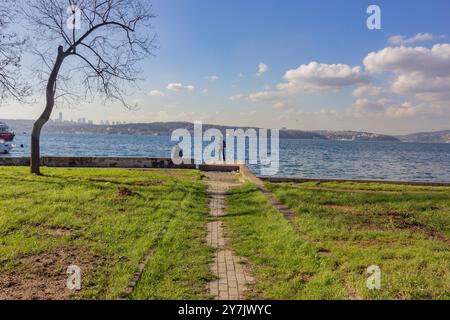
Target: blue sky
{"type": "Point", "coordinates": [227, 40]}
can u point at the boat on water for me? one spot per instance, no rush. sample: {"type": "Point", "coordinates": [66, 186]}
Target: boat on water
{"type": "Point", "coordinates": [5, 147]}
{"type": "Point", "coordinates": [5, 133]}
{"type": "Point", "coordinates": [6, 138]}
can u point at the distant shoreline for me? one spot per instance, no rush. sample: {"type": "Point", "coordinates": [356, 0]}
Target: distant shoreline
{"type": "Point", "coordinates": [166, 129]}
{"type": "Point", "coordinates": [283, 138]}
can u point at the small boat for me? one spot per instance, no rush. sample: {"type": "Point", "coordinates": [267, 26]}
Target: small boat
{"type": "Point", "coordinates": [5, 147]}
{"type": "Point", "coordinates": [5, 134]}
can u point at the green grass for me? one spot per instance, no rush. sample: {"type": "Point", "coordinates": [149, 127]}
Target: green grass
{"type": "Point", "coordinates": [80, 216]}
{"type": "Point", "coordinates": [81, 209]}
{"type": "Point", "coordinates": [285, 265]}
{"type": "Point", "coordinates": [368, 186]}
{"type": "Point", "coordinates": [406, 233]}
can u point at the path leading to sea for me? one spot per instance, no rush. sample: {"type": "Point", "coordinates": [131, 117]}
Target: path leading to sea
{"type": "Point", "coordinates": [232, 278]}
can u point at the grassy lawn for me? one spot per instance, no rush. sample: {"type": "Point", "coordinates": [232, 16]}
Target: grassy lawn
{"type": "Point", "coordinates": [285, 265]}
{"type": "Point", "coordinates": [343, 229]}
{"type": "Point", "coordinates": [405, 230]}
{"type": "Point", "coordinates": [104, 221]}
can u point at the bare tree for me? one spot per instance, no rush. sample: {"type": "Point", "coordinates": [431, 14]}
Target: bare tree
{"type": "Point", "coordinates": [99, 46]}
{"type": "Point", "coordinates": [11, 84]}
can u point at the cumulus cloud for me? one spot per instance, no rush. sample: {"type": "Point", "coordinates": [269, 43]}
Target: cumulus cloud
{"type": "Point", "coordinates": [156, 93]}
{"type": "Point", "coordinates": [313, 77]}
{"type": "Point", "coordinates": [283, 105]}
{"type": "Point", "coordinates": [265, 96]}
{"type": "Point", "coordinates": [369, 91]}
{"type": "Point", "coordinates": [400, 40]}
{"type": "Point", "coordinates": [384, 108]}
{"type": "Point", "coordinates": [410, 82]}
{"type": "Point", "coordinates": [404, 110]}
{"type": "Point", "coordinates": [262, 68]}
{"type": "Point", "coordinates": [316, 77]}
{"type": "Point", "coordinates": [180, 87]}
{"type": "Point", "coordinates": [420, 71]}
{"type": "Point", "coordinates": [365, 107]}
{"type": "Point", "coordinates": [434, 61]}
{"type": "Point", "coordinates": [237, 97]}
{"type": "Point", "coordinates": [419, 83]}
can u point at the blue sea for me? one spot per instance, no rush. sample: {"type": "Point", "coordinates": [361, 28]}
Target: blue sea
{"type": "Point", "coordinates": [298, 158]}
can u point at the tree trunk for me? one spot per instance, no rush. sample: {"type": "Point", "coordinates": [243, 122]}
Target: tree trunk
{"type": "Point", "coordinates": [45, 116]}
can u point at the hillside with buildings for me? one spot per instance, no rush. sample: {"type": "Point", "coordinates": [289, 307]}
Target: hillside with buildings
{"type": "Point", "coordinates": [83, 126]}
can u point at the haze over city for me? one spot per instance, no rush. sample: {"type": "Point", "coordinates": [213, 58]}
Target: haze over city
{"type": "Point", "coordinates": [292, 64]}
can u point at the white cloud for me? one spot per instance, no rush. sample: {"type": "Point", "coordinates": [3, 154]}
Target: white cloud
{"type": "Point", "coordinates": [369, 91]}
{"type": "Point", "coordinates": [262, 68]}
{"type": "Point", "coordinates": [283, 105]}
{"type": "Point", "coordinates": [180, 87]}
{"type": "Point", "coordinates": [400, 40]}
{"type": "Point", "coordinates": [316, 77]}
{"type": "Point", "coordinates": [313, 77]}
{"type": "Point", "coordinates": [418, 83]}
{"type": "Point", "coordinates": [156, 93]}
{"type": "Point", "coordinates": [237, 97]}
{"type": "Point", "coordinates": [265, 96]}
{"type": "Point", "coordinates": [434, 61]}
{"type": "Point", "coordinates": [212, 78]}
{"type": "Point", "coordinates": [410, 82]}
{"type": "Point", "coordinates": [420, 71]}
{"type": "Point", "coordinates": [362, 108]}
{"type": "Point", "coordinates": [205, 91]}
{"type": "Point", "coordinates": [405, 110]}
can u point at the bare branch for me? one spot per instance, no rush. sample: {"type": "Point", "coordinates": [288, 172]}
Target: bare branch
{"type": "Point", "coordinates": [115, 35]}
{"type": "Point", "coordinates": [11, 83]}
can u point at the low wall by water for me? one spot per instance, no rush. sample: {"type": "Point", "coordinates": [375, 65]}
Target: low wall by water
{"type": "Point", "coordinates": [14, 161]}
{"type": "Point", "coordinates": [143, 163]}
{"type": "Point", "coordinates": [97, 162]}
{"type": "Point", "coordinates": [319, 180]}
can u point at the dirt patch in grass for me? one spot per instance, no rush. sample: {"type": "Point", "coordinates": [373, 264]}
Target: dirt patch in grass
{"type": "Point", "coordinates": [302, 277]}
{"type": "Point", "coordinates": [396, 220]}
{"type": "Point", "coordinates": [346, 209]}
{"type": "Point", "coordinates": [123, 193]}
{"type": "Point", "coordinates": [399, 222]}
{"type": "Point", "coordinates": [351, 292]}
{"type": "Point", "coordinates": [323, 252]}
{"type": "Point", "coordinates": [43, 276]}
{"type": "Point", "coordinates": [149, 183]}
{"type": "Point", "coordinates": [60, 232]}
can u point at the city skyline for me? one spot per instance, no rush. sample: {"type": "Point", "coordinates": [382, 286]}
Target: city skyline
{"type": "Point", "coordinates": [306, 66]}
{"type": "Point", "coordinates": [60, 119]}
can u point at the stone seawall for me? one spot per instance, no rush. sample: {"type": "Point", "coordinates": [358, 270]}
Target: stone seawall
{"type": "Point", "coordinates": [319, 180]}
{"type": "Point", "coordinates": [14, 161]}
{"type": "Point", "coordinates": [97, 162]}
{"type": "Point", "coordinates": [143, 163]}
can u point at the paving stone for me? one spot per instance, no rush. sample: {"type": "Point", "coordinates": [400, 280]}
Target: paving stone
{"type": "Point", "coordinates": [232, 282]}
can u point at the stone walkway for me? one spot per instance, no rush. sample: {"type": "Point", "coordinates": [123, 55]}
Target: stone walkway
{"type": "Point", "coordinates": [232, 279]}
